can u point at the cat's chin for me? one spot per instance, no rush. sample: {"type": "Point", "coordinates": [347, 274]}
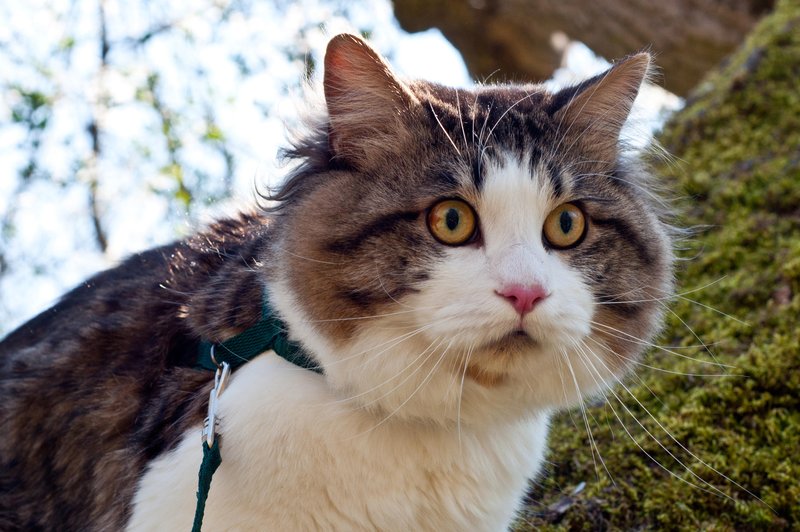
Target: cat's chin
{"type": "Point", "coordinates": [494, 359]}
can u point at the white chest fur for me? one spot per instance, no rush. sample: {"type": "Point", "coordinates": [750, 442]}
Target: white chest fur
{"type": "Point", "coordinates": [296, 457]}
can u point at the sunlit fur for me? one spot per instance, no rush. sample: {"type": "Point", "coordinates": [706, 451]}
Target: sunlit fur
{"type": "Point", "coordinates": [432, 412]}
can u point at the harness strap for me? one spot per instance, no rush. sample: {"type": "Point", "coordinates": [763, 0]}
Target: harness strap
{"type": "Point", "coordinates": [268, 333]}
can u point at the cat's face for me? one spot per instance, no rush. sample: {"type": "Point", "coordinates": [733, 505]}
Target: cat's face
{"type": "Point", "coordinates": [469, 255]}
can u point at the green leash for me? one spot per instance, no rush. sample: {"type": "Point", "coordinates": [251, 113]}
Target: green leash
{"type": "Point", "coordinates": [211, 461]}
{"type": "Point", "coordinates": [222, 358]}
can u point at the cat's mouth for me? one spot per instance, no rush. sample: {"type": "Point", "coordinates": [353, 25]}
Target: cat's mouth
{"type": "Point", "coordinates": [512, 342]}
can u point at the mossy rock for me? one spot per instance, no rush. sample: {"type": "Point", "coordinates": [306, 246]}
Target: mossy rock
{"type": "Point", "coordinates": [718, 453]}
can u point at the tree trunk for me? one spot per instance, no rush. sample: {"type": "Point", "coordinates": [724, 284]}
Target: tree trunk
{"type": "Point", "coordinates": [688, 36]}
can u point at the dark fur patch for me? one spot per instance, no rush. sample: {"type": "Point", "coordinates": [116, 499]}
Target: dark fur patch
{"type": "Point", "coordinates": [385, 224]}
{"type": "Point", "coordinates": [629, 236]}
{"type": "Point", "coordinates": [101, 383]}
{"type": "Point", "coordinates": [556, 180]}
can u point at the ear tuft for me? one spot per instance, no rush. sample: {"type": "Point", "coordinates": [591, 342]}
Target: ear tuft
{"type": "Point", "coordinates": [597, 109]}
{"type": "Point", "coordinates": [365, 99]}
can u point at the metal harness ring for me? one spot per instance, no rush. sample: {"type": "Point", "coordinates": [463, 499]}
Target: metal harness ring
{"type": "Point", "coordinates": [213, 358]}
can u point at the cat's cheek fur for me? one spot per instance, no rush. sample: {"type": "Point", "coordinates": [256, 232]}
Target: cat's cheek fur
{"type": "Point", "coordinates": [283, 428]}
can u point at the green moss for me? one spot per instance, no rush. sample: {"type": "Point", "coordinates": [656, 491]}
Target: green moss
{"type": "Point", "coordinates": [738, 140]}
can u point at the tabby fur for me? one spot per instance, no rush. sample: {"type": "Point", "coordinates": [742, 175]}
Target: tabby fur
{"type": "Point", "coordinates": [102, 404]}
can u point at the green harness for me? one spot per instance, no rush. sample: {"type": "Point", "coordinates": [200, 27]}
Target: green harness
{"type": "Point", "coordinates": [268, 334]}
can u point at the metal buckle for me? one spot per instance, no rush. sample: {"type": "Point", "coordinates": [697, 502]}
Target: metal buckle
{"type": "Point", "coordinates": [220, 381]}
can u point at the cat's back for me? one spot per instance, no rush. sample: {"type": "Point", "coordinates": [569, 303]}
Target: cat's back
{"type": "Point", "coordinates": [103, 382]}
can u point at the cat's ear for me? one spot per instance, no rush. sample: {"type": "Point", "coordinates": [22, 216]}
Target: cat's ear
{"type": "Point", "coordinates": [365, 100]}
{"type": "Point", "coordinates": [591, 115]}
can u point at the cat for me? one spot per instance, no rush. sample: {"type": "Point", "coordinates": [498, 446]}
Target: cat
{"type": "Point", "coordinates": [441, 255]}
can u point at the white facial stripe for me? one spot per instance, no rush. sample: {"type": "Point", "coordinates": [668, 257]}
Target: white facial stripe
{"type": "Point", "coordinates": [513, 207]}
{"type": "Point", "coordinates": [514, 203]}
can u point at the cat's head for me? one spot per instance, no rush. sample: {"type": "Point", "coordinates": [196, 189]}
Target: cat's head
{"type": "Point", "coordinates": [475, 254]}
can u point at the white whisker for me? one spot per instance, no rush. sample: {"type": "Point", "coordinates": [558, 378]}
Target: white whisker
{"type": "Point", "coordinates": [286, 251]}
{"type": "Point", "coordinates": [461, 122]}
{"type": "Point", "coordinates": [508, 110]}
{"type": "Point", "coordinates": [411, 396]}
{"type": "Point", "coordinates": [396, 375]}
{"type": "Point", "coordinates": [675, 440]}
{"type": "Point", "coordinates": [461, 393]}
{"type": "Point", "coordinates": [714, 310]}
{"type": "Point", "coordinates": [714, 489]}
{"type": "Point", "coordinates": [369, 317]}
{"type": "Point", "coordinates": [655, 368]}
{"type": "Point", "coordinates": [391, 343]}
{"type": "Point", "coordinates": [697, 337]}
{"type": "Point", "coordinates": [622, 335]}
{"type": "Point", "coordinates": [592, 444]}
{"type": "Point", "coordinates": [446, 134]}
{"type": "Point", "coordinates": [560, 361]}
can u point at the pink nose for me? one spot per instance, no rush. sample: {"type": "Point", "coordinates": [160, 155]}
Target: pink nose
{"type": "Point", "coordinates": [523, 297]}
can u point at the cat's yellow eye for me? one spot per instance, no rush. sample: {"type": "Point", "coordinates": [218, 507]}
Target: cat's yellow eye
{"type": "Point", "coordinates": [452, 222]}
{"type": "Point", "coordinates": [564, 226]}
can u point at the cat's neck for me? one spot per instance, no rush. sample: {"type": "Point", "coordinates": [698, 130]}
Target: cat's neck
{"type": "Point", "coordinates": [341, 457]}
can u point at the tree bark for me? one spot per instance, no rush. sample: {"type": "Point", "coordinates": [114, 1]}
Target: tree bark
{"type": "Point", "coordinates": [513, 36]}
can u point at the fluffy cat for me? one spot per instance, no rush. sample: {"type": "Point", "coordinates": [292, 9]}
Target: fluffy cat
{"type": "Point", "coordinates": [443, 255]}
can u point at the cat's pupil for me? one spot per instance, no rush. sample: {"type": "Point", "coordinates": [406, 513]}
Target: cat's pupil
{"type": "Point", "coordinates": [565, 221]}
{"type": "Point", "coordinates": [451, 219]}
